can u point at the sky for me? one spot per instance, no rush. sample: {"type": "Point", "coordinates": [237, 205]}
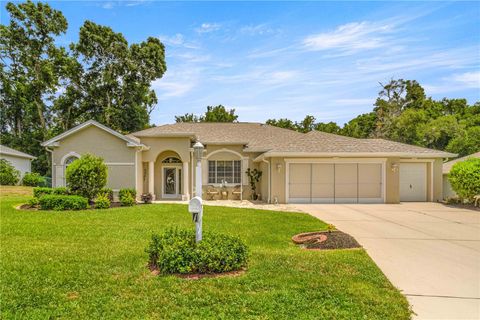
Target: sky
{"type": "Point", "coordinates": [289, 59]}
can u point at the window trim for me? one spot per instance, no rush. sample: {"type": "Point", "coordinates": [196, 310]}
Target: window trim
{"type": "Point", "coordinates": [216, 182]}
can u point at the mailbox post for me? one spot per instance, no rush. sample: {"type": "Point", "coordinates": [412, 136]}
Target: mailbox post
{"type": "Point", "coordinates": [195, 205]}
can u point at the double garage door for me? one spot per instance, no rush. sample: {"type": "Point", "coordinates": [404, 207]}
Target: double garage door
{"type": "Point", "coordinates": [335, 183]}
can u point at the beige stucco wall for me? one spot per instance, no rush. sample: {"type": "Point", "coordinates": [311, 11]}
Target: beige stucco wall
{"type": "Point", "coordinates": [119, 158]}
{"type": "Point", "coordinates": [447, 188]}
{"type": "Point", "coordinates": [392, 190]}
{"type": "Point", "coordinates": [21, 164]}
{"type": "Point", "coordinates": [158, 145]}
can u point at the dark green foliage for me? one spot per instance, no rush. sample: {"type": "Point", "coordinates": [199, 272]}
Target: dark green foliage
{"type": "Point", "coordinates": [62, 202]}
{"type": "Point", "coordinates": [102, 202]}
{"type": "Point", "coordinates": [33, 179]}
{"type": "Point", "coordinates": [213, 114]}
{"type": "Point", "coordinates": [9, 176]}
{"type": "Point", "coordinates": [107, 192]}
{"type": "Point", "coordinates": [103, 77]}
{"type": "Point", "coordinates": [87, 176]}
{"type": "Point", "coordinates": [175, 251]}
{"type": "Point", "coordinates": [465, 178]}
{"type": "Point", "coordinates": [41, 191]}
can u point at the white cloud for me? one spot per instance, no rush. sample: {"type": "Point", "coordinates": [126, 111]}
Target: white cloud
{"type": "Point", "coordinates": [468, 79]}
{"type": "Point", "coordinates": [178, 40]}
{"type": "Point", "coordinates": [259, 29]}
{"type": "Point", "coordinates": [350, 37]}
{"type": "Point", "coordinates": [108, 5]}
{"type": "Point", "coordinates": [208, 27]}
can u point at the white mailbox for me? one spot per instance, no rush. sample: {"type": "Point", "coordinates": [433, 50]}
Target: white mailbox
{"type": "Point", "coordinates": [195, 205]}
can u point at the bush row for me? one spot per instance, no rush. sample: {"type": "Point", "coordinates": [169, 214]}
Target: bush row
{"type": "Point", "coordinates": [175, 251]}
{"type": "Point", "coordinates": [62, 202]}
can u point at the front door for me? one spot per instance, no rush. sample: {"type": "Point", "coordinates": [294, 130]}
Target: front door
{"type": "Point", "coordinates": [171, 182]}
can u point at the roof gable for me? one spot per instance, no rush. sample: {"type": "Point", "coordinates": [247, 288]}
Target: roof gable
{"type": "Point", "coordinates": [54, 141]}
{"type": "Point", "coordinates": [15, 153]}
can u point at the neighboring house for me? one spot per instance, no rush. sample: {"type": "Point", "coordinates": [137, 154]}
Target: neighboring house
{"type": "Point", "coordinates": [447, 166]}
{"type": "Point", "coordinates": [20, 160]}
{"type": "Point", "coordinates": [314, 167]}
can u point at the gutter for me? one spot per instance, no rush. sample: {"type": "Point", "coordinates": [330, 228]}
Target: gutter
{"type": "Point", "coordinates": [356, 155]}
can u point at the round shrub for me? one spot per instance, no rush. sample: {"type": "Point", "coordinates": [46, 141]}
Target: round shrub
{"type": "Point", "coordinates": [125, 192]}
{"type": "Point", "coordinates": [107, 192]}
{"type": "Point", "coordinates": [62, 202]}
{"type": "Point", "coordinates": [127, 200]}
{"type": "Point", "coordinates": [175, 251]}
{"type": "Point", "coordinates": [32, 179]}
{"type": "Point", "coordinates": [465, 178]}
{"type": "Point", "coordinates": [87, 176]}
{"type": "Point", "coordinates": [102, 202]}
{"type": "Point", "coordinates": [9, 176]}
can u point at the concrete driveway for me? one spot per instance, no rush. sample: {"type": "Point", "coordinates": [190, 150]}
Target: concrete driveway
{"type": "Point", "coordinates": [429, 251]}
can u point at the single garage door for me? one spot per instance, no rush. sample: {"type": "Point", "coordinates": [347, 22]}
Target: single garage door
{"type": "Point", "coordinates": [413, 181]}
{"type": "Point", "coordinates": [335, 183]}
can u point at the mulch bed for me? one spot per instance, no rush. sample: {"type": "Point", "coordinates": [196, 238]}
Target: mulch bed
{"type": "Point", "coordinates": [26, 206]}
{"type": "Point", "coordinates": [326, 240]}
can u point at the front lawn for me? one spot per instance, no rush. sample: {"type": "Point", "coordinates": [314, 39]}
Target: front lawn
{"type": "Point", "coordinates": [92, 264]}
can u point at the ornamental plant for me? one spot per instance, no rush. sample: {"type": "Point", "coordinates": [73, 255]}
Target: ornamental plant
{"type": "Point", "coordinates": [9, 176]}
{"type": "Point", "coordinates": [102, 202]}
{"type": "Point", "coordinates": [87, 176]}
{"type": "Point", "coordinates": [465, 178]}
{"type": "Point", "coordinates": [62, 202]}
{"type": "Point", "coordinates": [253, 177]}
{"type": "Point", "coordinates": [175, 251]}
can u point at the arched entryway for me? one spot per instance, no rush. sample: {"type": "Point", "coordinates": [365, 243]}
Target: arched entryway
{"type": "Point", "coordinates": [169, 176]}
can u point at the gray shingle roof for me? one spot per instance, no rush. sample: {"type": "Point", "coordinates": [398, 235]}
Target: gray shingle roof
{"type": "Point", "coordinates": [265, 138]}
{"type": "Point", "coordinates": [447, 166]}
{"type": "Point", "coordinates": [12, 152]}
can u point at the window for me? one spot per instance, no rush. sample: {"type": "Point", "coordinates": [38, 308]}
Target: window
{"type": "Point", "coordinates": [224, 171]}
{"type": "Point", "coordinates": [171, 160]}
{"type": "Point", "coordinates": [69, 160]}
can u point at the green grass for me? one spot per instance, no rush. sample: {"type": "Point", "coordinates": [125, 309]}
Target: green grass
{"type": "Point", "coordinates": [92, 264]}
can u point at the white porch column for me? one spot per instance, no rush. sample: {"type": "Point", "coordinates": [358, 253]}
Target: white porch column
{"type": "Point", "coordinates": [186, 187]}
{"type": "Point", "coordinates": [151, 182]}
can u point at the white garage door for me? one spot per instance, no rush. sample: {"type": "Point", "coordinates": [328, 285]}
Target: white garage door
{"type": "Point", "coordinates": [413, 182]}
{"type": "Point", "coordinates": [335, 183]}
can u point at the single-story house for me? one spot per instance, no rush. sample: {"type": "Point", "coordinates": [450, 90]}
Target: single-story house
{"type": "Point", "coordinates": [314, 167]}
{"type": "Point", "coordinates": [20, 160]}
{"type": "Point", "coordinates": [447, 166]}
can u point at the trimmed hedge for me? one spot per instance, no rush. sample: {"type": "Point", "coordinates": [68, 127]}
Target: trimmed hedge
{"type": "Point", "coordinates": [175, 251]}
{"type": "Point", "coordinates": [62, 202]}
{"type": "Point", "coordinates": [41, 191]}
{"type": "Point", "coordinates": [9, 176]}
{"type": "Point", "coordinates": [32, 179]}
{"type": "Point", "coordinates": [465, 178]}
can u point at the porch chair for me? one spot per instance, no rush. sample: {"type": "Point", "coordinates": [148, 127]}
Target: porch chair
{"type": "Point", "coordinates": [237, 192]}
{"type": "Point", "coordinates": [212, 192]}
{"type": "Point", "coordinates": [477, 200]}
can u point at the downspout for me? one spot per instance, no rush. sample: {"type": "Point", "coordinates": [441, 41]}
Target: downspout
{"type": "Point", "coordinates": [269, 179]}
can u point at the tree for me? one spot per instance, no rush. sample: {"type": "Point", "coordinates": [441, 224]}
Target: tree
{"type": "Point", "coordinates": [213, 114]}
{"type": "Point", "coordinates": [281, 123]}
{"type": "Point", "coordinates": [114, 86]}
{"type": "Point", "coordinates": [405, 126]}
{"type": "Point", "coordinates": [330, 127]}
{"type": "Point", "coordinates": [306, 125]}
{"type": "Point", "coordinates": [187, 117]}
{"type": "Point", "coordinates": [30, 71]}
{"type": "Point", "coordinates": [437, 133]}
{"type": "Point", "coordinates": [363, 126]}
{"type": "Point", "coordinates": [466, 143]}
{"type": "Point", "coordinates": [87, 176]}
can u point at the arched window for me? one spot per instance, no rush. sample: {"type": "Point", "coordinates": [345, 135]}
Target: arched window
{"type": "Point", "coordinates": [171, 160]}
{"type": "Point", "coordinates": [69, 160]}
